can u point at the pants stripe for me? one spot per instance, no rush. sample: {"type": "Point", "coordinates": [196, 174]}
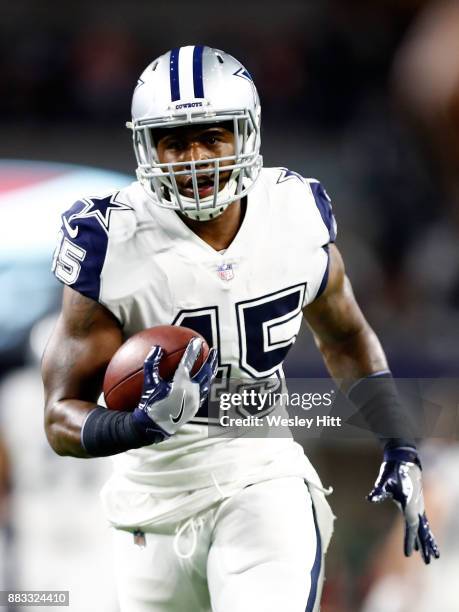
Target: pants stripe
{"type": "Point", "coordinates": [315, 570]}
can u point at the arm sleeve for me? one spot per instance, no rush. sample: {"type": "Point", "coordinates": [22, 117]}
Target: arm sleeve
{"type": "Point", "coordinates": [81, 250]}
{"type": "Point", "coordinates": [324, 206]}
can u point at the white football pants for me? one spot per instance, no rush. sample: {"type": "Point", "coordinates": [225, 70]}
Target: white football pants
{"type": "Point", "coordinates": [258, 551]}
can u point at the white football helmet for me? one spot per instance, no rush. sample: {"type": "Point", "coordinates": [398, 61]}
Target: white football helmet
{"type": "Point", "coordinates": [196, 85]}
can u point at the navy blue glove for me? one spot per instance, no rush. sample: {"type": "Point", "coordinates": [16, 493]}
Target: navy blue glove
{"type": "Point", "coordinates": [166, 406]}
{"type": "Point", "coordinates": [400, 479]}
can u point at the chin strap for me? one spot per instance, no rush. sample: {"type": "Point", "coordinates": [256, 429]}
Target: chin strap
{"type": "Point", "coordinates": [227, 196]}
{"type": "Point", "coordinates": [204, 215]}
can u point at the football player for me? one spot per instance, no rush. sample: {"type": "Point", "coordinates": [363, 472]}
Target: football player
{"type": "Point", "coordinates": [208, 239]}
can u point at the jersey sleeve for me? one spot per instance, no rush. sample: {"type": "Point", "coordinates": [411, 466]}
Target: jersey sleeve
{"type": "Point", "coordinates": [81, 250]}
{"type": "Point", "coordinates": [325, 208]}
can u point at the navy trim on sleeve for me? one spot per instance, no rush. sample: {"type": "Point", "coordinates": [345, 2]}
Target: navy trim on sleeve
{"type": "Point", "coordinates": [81, 253]}
{"type": "Point", "coordinates": [324, 281]}
{"type": "Point", "coordinates": [324, 205]}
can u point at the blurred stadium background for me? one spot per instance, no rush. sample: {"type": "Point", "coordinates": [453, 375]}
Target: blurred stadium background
{"type": "Point", "coordinates": [363, 96]}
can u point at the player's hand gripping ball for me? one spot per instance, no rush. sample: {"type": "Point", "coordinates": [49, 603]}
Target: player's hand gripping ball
{"type": "Point", "coordinates": [123, 382]}
{"type": "Point", "coordinates": [164, 375]}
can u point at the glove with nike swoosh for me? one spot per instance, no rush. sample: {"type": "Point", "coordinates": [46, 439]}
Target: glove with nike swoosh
{"type": "Point", "coordinates": [166, 406]}
{"type": "Point", "coordinates": [400, 479]}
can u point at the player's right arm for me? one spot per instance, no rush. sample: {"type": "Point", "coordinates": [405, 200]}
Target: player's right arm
{"type": "Point", "coordinates": [84, 340]}
{"type": "Point", "coordinates": [86, 337]}
{"type": "Point", "coordinates": [76, 357]}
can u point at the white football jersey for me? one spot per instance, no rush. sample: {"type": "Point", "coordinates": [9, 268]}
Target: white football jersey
{"type": "Point", "coordinates": [148, 268]}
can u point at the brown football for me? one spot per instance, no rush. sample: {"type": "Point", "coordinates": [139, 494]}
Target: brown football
{"type": "Point", "coordinates": [123, 381]}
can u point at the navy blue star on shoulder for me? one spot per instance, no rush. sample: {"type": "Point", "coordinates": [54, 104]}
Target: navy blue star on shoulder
{"type": "Point", "coordinates": [99, 208]}
{"type": "Point", "coordinates": [243, 74]}
{"type": "Point", "coordinates": [287, 174]}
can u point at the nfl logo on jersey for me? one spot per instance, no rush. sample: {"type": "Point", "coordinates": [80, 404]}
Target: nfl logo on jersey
{"type": "Point", "coordinates": [225, 271]}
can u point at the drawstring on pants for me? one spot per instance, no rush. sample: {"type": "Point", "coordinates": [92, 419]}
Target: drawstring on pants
{"type": "Point", "coordinates": [191, 524]}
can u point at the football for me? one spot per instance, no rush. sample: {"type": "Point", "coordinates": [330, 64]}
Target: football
{"type": "Point", "coordinates": [123, 379]}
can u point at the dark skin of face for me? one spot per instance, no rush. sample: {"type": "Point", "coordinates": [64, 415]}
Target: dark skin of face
{"type": "Point", "coordinates": [198, 143]}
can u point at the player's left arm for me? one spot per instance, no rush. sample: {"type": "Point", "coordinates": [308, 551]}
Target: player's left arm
{"type": "Point", "coordinates": [354, 355]}
{"type": "Point", "coordinates": [349, 346]}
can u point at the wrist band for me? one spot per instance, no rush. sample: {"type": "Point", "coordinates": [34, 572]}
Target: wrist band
{"type": "Point", "coordinates": [402, 453]}
{"type": "Point", "coordinates": [378, 402]}
{"type": "Point", "coordinates": [109, 432]}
